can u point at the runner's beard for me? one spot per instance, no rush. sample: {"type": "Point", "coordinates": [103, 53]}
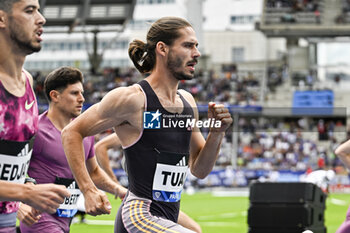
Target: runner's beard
{"type": "Point", "coordinates": [176, 63]}
{"type": "Point", "coordinates": [18, 37]}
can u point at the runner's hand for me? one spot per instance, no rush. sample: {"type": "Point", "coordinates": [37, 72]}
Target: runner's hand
{"type": "Point", "coordinates": [220, 113]}
{"type": "Point", "coordinates": [45, 197]}
{"type": "Point", "coordinates": [28, 215]}
{"type": "Point", "coordinates": [120, 192]}
{"type": "Point", "coordinates": [96, 203]}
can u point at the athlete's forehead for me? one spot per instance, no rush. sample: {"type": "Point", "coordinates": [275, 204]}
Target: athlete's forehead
{"type": "Point", "coordinates": [188, 35]}
{"type": "Point", "coordinates": [74, 86]}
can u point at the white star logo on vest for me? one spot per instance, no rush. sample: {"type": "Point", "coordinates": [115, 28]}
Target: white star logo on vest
{"type": "Point", "coordinates": [156, 115]}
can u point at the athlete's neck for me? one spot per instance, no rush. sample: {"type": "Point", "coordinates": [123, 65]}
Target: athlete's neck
{"type": "Point", "coordinates": [164, 85]}
{"type": "Point", "coordinates": [12, 77]}
{"type": "Point", "coordinates": [11, 63]}
{"type": "Point", "coordinates": [57, 118]}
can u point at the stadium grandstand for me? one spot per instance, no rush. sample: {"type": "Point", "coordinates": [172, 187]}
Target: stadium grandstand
{"type": "Point", "coordinates": [268, 61]}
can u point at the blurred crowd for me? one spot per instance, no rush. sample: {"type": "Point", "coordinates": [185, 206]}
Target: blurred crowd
{"type": "Point", "coordinates": [264, 143]}
{"type": "Point", "coordinates": [343, 17]}
{"type": "Point", "coordinates": [275, 144]}
{"type": "Point", "coordinates": [295, 11]}
{"type": "Point", "coordinates": [229, 85]}
{"type": "Point", "coordinates": [296, 5]}
{"type": "Point", "coordinates": [346, 5]}
{"type": "Point", "coordinates": [285, 144]}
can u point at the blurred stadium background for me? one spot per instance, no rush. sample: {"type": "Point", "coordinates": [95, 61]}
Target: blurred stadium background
{"type": "Point", "coordinates": [281, 66]}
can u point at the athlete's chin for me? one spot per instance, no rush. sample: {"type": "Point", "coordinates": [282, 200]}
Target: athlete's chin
{"type": "Point", "coordinates": [185, 78]}
{"type": "Point", "coordinates": [36, 46]}
{"type": "Point", "coordinates": [76, 114]}
{"type": "Point", "coordinates": [34, 49]}
{"type": "Point", "coordinates": [189, 76]}
{"type": "Point", "coordinates": [183, 75]}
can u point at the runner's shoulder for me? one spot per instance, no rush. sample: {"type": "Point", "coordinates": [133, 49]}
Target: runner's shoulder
{"type": "Point", "coordinates": [130, 97]}
{"type": "Point", "coordinates": [188, 96]}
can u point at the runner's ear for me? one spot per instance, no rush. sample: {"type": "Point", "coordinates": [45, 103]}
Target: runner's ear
{"type": "Point", "coordinates": [161, 48]}
{"type": "Point", "coordinates": [54, 95]}
{"type": "Point", "coordinates": [3, 19]}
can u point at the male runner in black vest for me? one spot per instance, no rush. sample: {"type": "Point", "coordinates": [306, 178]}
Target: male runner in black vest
{"type": "Point", "coordinates": [158, 127]}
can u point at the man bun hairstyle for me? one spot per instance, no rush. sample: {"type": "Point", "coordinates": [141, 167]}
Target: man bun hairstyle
{"type": "Point", "coordinates": [142, 57]}
{"type": "Point", "coordinates": [165, 29]}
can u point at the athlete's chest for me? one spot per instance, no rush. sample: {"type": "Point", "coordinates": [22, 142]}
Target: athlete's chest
{"type": "Point", "coordinates": [176, 106]}
{"type": "Point", "coordinates": [18, 116]}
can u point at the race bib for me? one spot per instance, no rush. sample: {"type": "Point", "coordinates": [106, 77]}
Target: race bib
{"type": "Point", "coordinates": [169, 176]}
{"type": "Point", "coordinates": [14, 160]}
{"type": "Point", "coordinates": [69, 206]}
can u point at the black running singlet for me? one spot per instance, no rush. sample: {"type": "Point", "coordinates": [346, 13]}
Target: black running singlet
{"type": "Point", "coordinates": [157, 163]}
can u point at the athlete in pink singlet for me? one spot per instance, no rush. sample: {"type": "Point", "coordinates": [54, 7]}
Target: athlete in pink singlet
{"type": "Point", "coordinates": [20, 35]}
{"type": "Point", "coordinates": [18, 124]}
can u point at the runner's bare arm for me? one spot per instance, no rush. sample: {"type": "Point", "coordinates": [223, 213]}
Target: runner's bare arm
{"type": "Point", "coordinates": [44, 197]}
{"type": "Point", "coordinates": [101, 154]}
{"type": "Point", "coordinates": [186, 221]}
{"type": "Point", "coordinates": [343, 152]}
{"type": "Point", "coordinates": [115, 108]}
{"type": "Point", "coordinates": [103, 181]}
{"type": "Point", "coordinates": [203, 153]}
